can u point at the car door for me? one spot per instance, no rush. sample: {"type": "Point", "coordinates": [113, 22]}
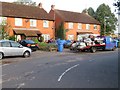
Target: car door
{"type": "Point", "coordinates": [6, 48]}
{"type": "Point", "coordinates": [16, 49]}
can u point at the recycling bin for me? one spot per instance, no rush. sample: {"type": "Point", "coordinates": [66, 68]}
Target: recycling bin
{"type": "Point", "coordinates": [60, 45]}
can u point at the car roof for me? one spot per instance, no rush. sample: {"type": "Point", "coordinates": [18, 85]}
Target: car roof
{"type": "Point", "coordinates": [6, 41]}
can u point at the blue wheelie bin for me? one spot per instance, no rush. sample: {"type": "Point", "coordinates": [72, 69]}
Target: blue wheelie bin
{"type": "Point", "coordinates": [60, 45]}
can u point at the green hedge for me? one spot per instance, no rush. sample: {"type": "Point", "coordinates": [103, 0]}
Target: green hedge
{"type": "Point", "coordinates": [45, 46]}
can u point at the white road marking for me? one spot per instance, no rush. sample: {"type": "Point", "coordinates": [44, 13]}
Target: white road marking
{"type": "Point", "coordinates": [5, 64]}
{"type": "Point", "coordinates": [20, 85]}
{"type": "Point", "coordinates": [66, 72]}
{"type": "Point", "coordinates": [3, 75]}
{"type": "Point", "coordinates": [28, 73]}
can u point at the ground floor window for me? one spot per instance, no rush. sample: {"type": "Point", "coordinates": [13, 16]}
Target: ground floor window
{"type": "Point", "coordinates": [46, 37]}
{"type": "Point", "coordinates": [70, 37]}
{"type": "Point", "coordinates": [81, 36]}
{"type": "Point", "coordinates": [18, 37]}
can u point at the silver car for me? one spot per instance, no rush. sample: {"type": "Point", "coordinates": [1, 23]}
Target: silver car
{"type": "Point", "coordinates": [12, 48]}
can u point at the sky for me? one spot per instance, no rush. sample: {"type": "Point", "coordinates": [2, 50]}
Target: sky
{"type": "Point", "coordinates": [73, 5]}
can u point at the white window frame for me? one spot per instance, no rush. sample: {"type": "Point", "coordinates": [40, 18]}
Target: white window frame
{"type": "Point", "coordinates": [95, 27]}
{"type": "Point", "coordinates": [71, 37]}
{"type": "Point", "coordinates": [79, 26]}
{"type": "Point", "coordinates": [33, 23]}
{"type": "Point", "coordinates": [45, 23]}
{"type": "Point", "coordinates": [70, 25]}
{"type": "Point", "coordinates": [18, 22]}
{"type": "Point", "coordinates": [46, 37]}
{"type": "Point", "coordinates": [88, 26]}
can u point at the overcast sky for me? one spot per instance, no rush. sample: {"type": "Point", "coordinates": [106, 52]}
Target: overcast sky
{"type": "Point", "coordinates": [72, 5]}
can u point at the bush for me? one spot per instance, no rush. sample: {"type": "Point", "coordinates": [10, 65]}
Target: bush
{"type": "Point", "coordinates": [46, 46]}
{"type": "Point", "coordinates": [35, 40]}
{"type": "Point", "coordinates": [12, 38]}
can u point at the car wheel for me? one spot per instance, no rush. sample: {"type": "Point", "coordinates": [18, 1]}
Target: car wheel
{"type": "Point", "coordinates": [93, 49]}
{"type": "Point", "coordinates": [26, 54]}
{"type": "Point", "coordinates": [1, 55]}
{"type": "Point", "coordinates": [113, 49]}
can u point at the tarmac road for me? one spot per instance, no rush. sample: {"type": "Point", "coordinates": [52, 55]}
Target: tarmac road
{"type": "Point", "coordinates": [62, 70]}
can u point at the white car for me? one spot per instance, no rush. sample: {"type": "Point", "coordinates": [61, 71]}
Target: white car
{"type": "Point", "coordinates": [12, 48]}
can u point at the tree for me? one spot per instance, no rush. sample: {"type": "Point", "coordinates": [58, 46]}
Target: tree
{"type": "Point", "coordinates": [85, 11]}
{"type": "Point", "coordinates": [4, 29]}
{"type": "Point", "coordinates": [117, 4]}
{"type": "Point", "coordinates": [61, 32]}
{"type": "Point", "coordinates": [107, 19]}
{"type": "Point", "coordinates": [90, 11]}
{"type": "Point", "coordinates": [25, 2]}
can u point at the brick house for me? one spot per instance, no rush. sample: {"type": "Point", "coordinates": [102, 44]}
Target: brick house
{"type": "Point", "coordinates": [27, 21]}
{"type": "Point", "coordinates": [77, 25]}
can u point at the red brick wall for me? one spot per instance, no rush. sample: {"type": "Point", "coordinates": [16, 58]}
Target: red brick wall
{"type": "Point", "coordinates": [49, 30]}
{"type": "Point", "coordinates": [73, 31]}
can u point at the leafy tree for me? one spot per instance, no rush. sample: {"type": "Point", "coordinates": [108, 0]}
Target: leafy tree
{"type": "Point", "coordinates": [90, 11]}
{"type": "Point", "coordinates": [107, 19]}
{"type": "Point", "coordinates": [61, 32]}
{"type": "Point", "coordinates": [117, 4]}
{"type": "Point", "coordinates": [25, 2]}
{"type": "Point", "coordinates": [85, 11]}
{"type": "Point", "coordinates": [4, 29]}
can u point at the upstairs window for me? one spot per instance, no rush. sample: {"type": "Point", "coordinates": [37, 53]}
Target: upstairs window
{"type": "Point", "coordinates": [45, 23]}
{"type": "Point", "coordinates": [95, 27]}
{"type": "Point", "coordinates": [70, 25]}
{"type": "Point", "coordinates": [33, 23]}
{"type": "Point", "coordinates": [88, 26]}
{"type": "Point", "coordinates": [79, 26]}
{"type": "Point", "coordinates": [18, 22]}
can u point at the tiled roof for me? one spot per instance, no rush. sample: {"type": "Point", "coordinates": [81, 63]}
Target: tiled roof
{"type": "Point", "coordinates": [23, 11]}
{"type": "Point", "coordinates": [28, 32]}
{"type": "Point", "coordinates": [69, 16]}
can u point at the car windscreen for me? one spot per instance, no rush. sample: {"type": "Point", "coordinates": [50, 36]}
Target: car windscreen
{"type": "Point", "coordinates": [29, 41]}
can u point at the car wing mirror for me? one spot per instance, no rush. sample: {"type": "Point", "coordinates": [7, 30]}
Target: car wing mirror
{"type": "Point", "coordinates": [20, 46]}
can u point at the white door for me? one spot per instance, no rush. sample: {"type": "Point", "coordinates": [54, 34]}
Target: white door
{"type": "Point", "coordinates": [70, 37]}
{"type": "Point", "coordinates": [46, 37]}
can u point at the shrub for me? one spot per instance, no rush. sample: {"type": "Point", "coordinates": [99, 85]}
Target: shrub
{"type": "Point", "coordinates": [12, 38]}
{"type": "Point", "coordinates": [46, 46]}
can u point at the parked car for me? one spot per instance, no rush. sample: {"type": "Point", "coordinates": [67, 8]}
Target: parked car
{"type": "Point", "coordinates": [68, 44]}
{"type": "Point", "coordinates": [12, 48]}
{"type": "Point", "coordinates": [30, 44]}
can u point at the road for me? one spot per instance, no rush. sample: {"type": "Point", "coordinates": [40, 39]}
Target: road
{"type": "Point", "coordinates": [62, 70]}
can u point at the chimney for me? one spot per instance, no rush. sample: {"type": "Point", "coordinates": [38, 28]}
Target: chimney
{"type": "Point", "coordinates": [40, 5]}
{"type": "Point", "coordinates": [52, 7]}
